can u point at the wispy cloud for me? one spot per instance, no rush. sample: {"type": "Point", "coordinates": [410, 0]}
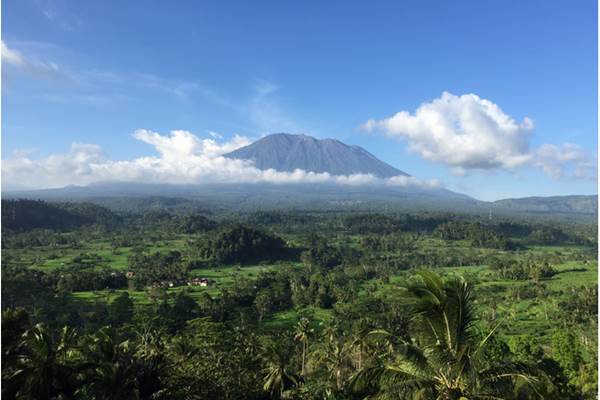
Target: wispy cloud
{"type": "Point", "coordinates": [99, 86]}
{"type": "Point", "coordinates": [32, 66]}
{"type": "Point", "coordinates": [215, 135]}
{"type": "Point", "coordinates": [568, 160]}
{"type": "Point", "coordinates": [179, 89]}
{"type": "Point", "coordinates": [92, 99]}
{"type": "Point", "coordinates": [58, 14]}
{"type": "Point", "coordinates": [124, 82]}
{"type": "Point", "coordinates": [265, 110]}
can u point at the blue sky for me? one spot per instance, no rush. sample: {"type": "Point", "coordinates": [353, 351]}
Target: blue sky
{"type": "Point", "coordinates": [96, 72]}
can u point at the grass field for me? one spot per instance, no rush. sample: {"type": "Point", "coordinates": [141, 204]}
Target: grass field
{"type": "Point", "coordinates": [516, 316]}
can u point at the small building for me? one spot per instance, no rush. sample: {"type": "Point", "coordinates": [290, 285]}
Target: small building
{"type": "Point", "coordinates": [199, 282]}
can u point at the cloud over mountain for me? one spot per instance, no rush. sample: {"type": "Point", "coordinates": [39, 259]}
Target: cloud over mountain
{"type": "Point", "coordinates": [182, 158]}
{"type": "Point", "coordinates": [469, 133]}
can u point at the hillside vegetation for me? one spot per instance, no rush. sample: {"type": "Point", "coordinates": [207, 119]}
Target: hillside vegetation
{"type": "Point", "coordinates": [26, 215]}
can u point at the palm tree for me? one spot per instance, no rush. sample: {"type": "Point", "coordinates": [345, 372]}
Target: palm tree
{"type": "Point", "coordinates": [150, 358]}
{"type": "Point", "coordinates": [182, 348]}
{"type": "Point", "coordinates": [335, 354]}
{"type": "Point", "coordinates": [302, 333]}
{"type": "Point", "coordinates": [279, 375]}
{"type": "Point", "coordinates": [361, 339]}
{"type": "Point", "coordinates": [113, 375]}
{"type": "Point", "coordinates": [46, 367]}
{"type": "Point", "coordinates": [444, 360]}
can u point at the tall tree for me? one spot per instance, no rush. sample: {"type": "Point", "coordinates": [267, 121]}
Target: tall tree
{"type": "Point", "coordinates": [302, 332]}
{"type": "Point", "coordinates": [279, 372]}
{"type": "Point", "coordinates": [335, 354]}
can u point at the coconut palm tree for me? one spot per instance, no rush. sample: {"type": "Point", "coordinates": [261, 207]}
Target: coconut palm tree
{"type": "Point", "coordinates": [302, 333]}
{"type": "Point", "coordinates": [335, 354]}
{"type": "Point", "coordinates": [150, 359]}
{"type": "Point", "coordinates": [444, 359]}
{"type": "Point", "coordinates": [46, 367]}
{"type": "Point", "coordinates": [361, 340]}
{"type": "Point", "coordinates": [279, 374]}
{"type": "Point", "coordinates": [113, 375]}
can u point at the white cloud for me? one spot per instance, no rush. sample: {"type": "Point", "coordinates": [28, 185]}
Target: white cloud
{"type": "Point", "coordinates": [11, 56]}
{"type": "Point", "coordinates": [39, 69]}
{"type": "Point", "coordinates": [403, 180]}
{"type": "Point", "coordinates": [568, 160]}
{"type": "Point", "coordinates": [181, 145]}
{"type": "Point", "coordinates": [462, 132]}
{"type": "Point", "coordinates": [182, 158]}
{"type": "Point", "coordinates": [469, 133]}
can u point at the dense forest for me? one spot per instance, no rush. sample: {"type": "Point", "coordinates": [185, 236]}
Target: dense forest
{"type": "Point", "coordinates": [146, 304]}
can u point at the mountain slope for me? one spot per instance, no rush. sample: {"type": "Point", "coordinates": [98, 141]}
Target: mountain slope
{"type": "Point", "coordinates": [131, 196]}
{"type": "Point", "coordinates": [286, 152]}
{"type": "Point", "coordinates": [254, 196]}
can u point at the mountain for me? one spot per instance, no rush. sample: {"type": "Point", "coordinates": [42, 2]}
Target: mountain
{"type": "Point", "coordinates": [552, 204]}
{"type": "Point", "coordinates": [286, 152]}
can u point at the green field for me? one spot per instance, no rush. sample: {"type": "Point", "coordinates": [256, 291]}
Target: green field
{"type": "Point", "coordinates": [518, 316]}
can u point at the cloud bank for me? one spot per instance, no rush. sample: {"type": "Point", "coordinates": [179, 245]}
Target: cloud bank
{"type": "Point", "coordinates": [182, 157]}
{"type": "Point", "coordinates": [468, 133]}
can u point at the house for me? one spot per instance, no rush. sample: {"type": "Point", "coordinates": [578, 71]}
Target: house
{"type": "Point", "coordinates": [199, 282]}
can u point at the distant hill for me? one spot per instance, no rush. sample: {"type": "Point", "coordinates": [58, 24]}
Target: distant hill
{"type": "Point", "coordinates": [131, 196]}
{"type": "Point", "coordinates": [140, 197]}
{"type": "Point", "coordinates": [286, 152]}
{"type": "Point", "coordinates": [554, 204]}
{"type": "Point", "coordinates": [25, 215]}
